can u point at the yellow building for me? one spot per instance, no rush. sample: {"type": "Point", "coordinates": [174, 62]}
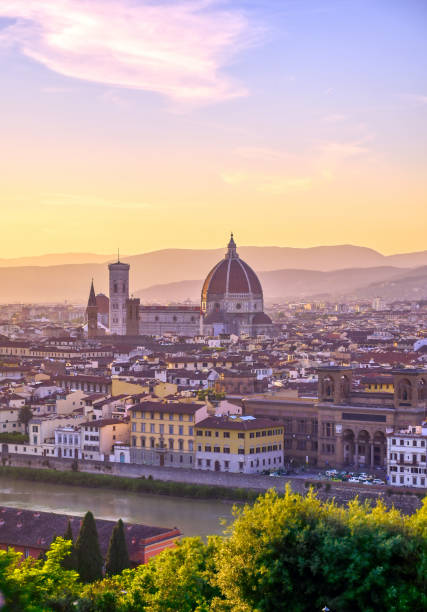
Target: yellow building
{"type": "Point", "coordinates": [238, 444]}
{"type": "Point", "coordinates": [378, 384]}
{"type": "Point", "coordinates": [121, 386]}
{"type": "Point", "coordinates": [162, 432]}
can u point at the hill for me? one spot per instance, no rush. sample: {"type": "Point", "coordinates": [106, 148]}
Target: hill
{"type": "Point", "coordinates": [296, 284]}
{"type": "Point", "coordinates": [284, 272]}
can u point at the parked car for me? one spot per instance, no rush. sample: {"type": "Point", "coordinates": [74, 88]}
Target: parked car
{"type": "Point", "coordinates": [378, 481]}
{"type": "Point", "coordinates": [353, 479]}
{"type": "Point", "coordinates": [331, 472]}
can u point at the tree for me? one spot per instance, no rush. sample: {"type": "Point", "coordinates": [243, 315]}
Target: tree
{"type": "Point", "coordinates": [25, 416]}
{"type": "Point", "coordinates": [89, 558]}
{"type": "Point", "coordinates": [117, 556]}
{"type": "Point", "coordinates": [297, 553]}
{"type": "Point", "coordinates": [36, 585]}
{"type": "Point", "coordinates": [69, 562]}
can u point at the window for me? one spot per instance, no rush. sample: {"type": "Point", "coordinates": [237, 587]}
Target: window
{"type": "Point", "coordinates": [152, 428]}
{"type": "Point", "coordinates": [216, 449]}
{"type": "Point", "coordinates": [199, 432]}
{"type": "Point", "coordinates": [226, 434]}
{"type": "Point", "coordinates": [171, 429]}
{"type": "Point", "coordinates": [190, 431]}
{"type": "Point", "coordinates": [226, 450]}
{"type": "Point", "coordinates": [208, 434]}
{"type": "Point", "coordinates": [327, 429]}
{"type": "Point", "coordinates": [241, 436]}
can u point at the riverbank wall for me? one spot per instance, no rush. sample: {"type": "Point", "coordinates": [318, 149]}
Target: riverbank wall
{"type": "Point", "coordinates": [406, 500]}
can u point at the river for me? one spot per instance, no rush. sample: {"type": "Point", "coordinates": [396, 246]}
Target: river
{"type": "Point", "coordinates": [192, 516]}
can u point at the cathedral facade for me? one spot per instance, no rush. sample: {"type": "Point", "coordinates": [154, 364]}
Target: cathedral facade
{"type": "Point", "coordinates": [232, 302]}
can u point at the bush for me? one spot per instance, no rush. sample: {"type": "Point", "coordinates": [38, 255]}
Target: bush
{"type": "Point", "coordinates": [123, 483]}
{"type": "Point", "coordinates": [13, 437]}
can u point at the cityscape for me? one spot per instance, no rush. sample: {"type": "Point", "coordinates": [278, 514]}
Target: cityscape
{"type": "Point", "coordinates": [213, 313]}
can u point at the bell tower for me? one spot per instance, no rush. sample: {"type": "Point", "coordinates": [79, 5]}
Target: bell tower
{"type": "Point", "coordinates": [119, 294]}
{"type": "Point", "coordinates": [92, 314]}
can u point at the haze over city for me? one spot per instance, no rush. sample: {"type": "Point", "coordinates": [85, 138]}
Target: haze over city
{"type": "Point", "coordinates": [293, 123]}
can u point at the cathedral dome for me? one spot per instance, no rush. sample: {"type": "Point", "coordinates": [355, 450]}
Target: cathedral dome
{"type": "Point", "coordinates": [231, 276]}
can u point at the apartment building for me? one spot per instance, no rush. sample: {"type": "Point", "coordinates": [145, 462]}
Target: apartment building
{"type": "Point", "coordinates": [99, 437]}
{"type": "Point", "coordinates": [406, 457]}
{"type": "Point", "coordinates": [162, 432]}
{"type": "Point", "coordinates": [238, 444]}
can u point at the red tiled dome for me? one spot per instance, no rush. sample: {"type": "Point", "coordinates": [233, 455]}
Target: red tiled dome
{"type": "Point", "coordinates": [231, 275]}
{"type": "Point", "coordinates": [261, 319]}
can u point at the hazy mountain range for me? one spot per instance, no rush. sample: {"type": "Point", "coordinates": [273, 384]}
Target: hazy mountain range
{"type": "Point", "coordinates": [162, 275]}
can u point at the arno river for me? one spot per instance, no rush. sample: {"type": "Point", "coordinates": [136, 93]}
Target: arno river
{"type": "Point", "coordinates": [192, 516]}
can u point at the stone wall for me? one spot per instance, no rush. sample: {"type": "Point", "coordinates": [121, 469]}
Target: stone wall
{"type": "Point", "coordinates": [407, 500]}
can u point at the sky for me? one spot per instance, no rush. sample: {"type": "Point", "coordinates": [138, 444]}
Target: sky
{"type": "Point", "coordinates": [156, 124]}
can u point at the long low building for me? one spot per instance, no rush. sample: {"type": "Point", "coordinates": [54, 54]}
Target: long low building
{"type": "Point", "coordinates": [31, 532]}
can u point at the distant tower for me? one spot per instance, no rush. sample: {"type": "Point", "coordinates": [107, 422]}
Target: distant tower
{"type": "Point", "coordinates": [92, 314]}
{"type": "Point", "coordinates": [119, 293]}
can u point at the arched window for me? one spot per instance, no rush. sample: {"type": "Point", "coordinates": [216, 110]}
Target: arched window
{"type": "Point", "coordinates": [115, 288]}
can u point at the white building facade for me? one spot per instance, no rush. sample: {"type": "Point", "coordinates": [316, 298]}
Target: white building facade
{"type": "Point", "coordinates": [406, 457]}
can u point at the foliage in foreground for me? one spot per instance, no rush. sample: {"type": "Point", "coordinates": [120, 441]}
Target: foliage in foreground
{"type": "Point", "coordinates": [283, 553]}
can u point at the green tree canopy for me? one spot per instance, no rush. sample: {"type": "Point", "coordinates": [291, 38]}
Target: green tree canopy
{"type": "Point", "coordinates": [69, 562]}
{"type": "Point", "coordinates": [298, 553]}
{"type": "Point", "coordinates": [89, 558]}
{"type": "Point", "coordinates": [117, 556]}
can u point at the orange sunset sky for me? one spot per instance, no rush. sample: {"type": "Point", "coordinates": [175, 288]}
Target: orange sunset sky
{"type": "Point", "coordinates": [149, 125]}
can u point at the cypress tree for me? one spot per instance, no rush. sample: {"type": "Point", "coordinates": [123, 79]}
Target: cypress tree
{"type": "Point", "coordinates": [117, 555]}
{"type": "Point", "coordinates": [89, 558]}
{"type": "Point", "coordinates": [70, 561]}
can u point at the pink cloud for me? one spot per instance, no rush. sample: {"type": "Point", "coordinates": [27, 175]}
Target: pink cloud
{"type": "Point", "coordinates": [176, 48]}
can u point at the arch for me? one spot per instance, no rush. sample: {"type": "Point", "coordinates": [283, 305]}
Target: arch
{"type": "Point", "coordinates": [122, 457]}
{"type": "Point", "coordinates": [404, 390]}
{"type": "Point", "coordinates": [379, 449]}
{"type": "Point", "coordinates": [217, 466]}
{"type": "Point", "coordinates": [328, 388]}
{"type": "Point", "coordinates": [422, 389]}
{"type": "Point", "coordinates": [363, 448]}
{"type": "Point", "coordinates": [345, 385]}
{"type": "Point", "coordinates": [348, 437]}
